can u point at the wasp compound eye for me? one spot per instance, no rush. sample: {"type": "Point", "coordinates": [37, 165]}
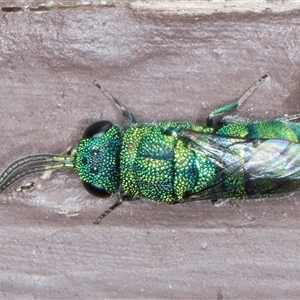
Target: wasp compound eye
{"type": "Point", "coordinates": [97, 129]}
{"type": "Point", "coordinates": [95, 190]}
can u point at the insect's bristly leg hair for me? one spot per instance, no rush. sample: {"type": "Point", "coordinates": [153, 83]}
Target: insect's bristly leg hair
{"type": "Point", "coordinates": [290, 118]}
{"type": "Point", "coordinates": [234, 105]}
{"type": "Point", "coordinates": [249, 92]}
{"type": "Point", "coordinates": [244, 213]}
{"type": "Point", "coordinates": [127, 114]}
{"type": "Point", "coordinates": [111, 208]}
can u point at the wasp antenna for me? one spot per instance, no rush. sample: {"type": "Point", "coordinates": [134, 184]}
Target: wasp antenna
{"type": "Point", "coordinates": [33, 164]}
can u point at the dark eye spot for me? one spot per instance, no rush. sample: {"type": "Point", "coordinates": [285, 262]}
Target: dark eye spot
{"type": "Point", "coordinates": [84, 161]}
{"type": "Point", "coordinates": [94, 170]}
{"type": "Point", "coordinates": [95, 152]}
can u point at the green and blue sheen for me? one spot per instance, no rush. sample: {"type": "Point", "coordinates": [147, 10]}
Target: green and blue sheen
{"type": "Point", "coordinates": [232, 159]}
{"type": "Point", "coordinates": [173, 161]}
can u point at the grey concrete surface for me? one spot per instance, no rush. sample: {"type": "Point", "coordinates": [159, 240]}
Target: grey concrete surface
{"type": "Point", "coordinates": [162, 67]}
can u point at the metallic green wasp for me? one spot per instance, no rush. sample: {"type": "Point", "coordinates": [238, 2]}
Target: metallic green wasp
{"type": "Point", "coordinates": [224, 161]}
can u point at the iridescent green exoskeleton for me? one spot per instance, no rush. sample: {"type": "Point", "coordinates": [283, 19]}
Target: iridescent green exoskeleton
{"type": "Point", "coordinates": [228, 160]}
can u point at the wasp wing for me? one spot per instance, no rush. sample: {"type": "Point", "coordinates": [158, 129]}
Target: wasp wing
{"type": "Point", "coordinates": [246, 168]}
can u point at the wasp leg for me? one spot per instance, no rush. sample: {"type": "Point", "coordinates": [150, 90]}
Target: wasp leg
{"type": "Point", "coordinates": [220, 202]}
{"type": "Point", "coordinates": [244, 213]}
{"type": "Point", "coordinates": [121, 198]}
{"type": "Point", "coordinates": [111, 208]}
{"type": "Point", "coordinates": [290, 118]}
{"type": "Point", "coordinates": [234, 105]}
{"type": "Point", "coordinates": [127, 114]}
{"type": "Point", "coordinates": [226, 120]}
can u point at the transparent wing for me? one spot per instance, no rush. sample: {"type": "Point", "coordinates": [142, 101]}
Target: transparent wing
{"type": "Point", "coordinates": [246, 168]}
